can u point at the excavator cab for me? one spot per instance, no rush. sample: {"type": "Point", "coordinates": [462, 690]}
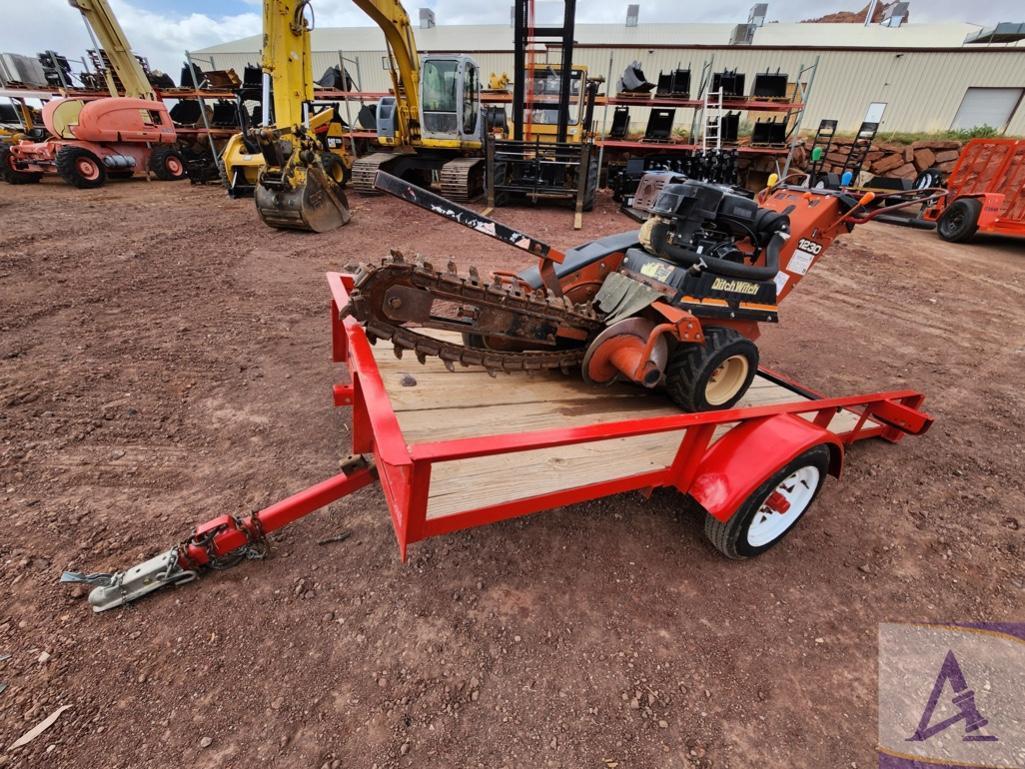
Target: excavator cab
{"type": "Point", "coordinates": [450, 100]}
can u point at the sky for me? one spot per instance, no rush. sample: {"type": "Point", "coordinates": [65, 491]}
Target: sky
{"type": "Point", "coordinates": [162, 30]}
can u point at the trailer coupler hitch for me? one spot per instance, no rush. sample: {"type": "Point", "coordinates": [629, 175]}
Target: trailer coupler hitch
{"type": "Point", "coordinates": [222, 542]}
{"type": "Point", "coordinates": [121, 587]}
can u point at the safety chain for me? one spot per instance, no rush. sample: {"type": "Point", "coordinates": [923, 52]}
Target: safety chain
{"type": "Point", "coordinates": [256, 548]}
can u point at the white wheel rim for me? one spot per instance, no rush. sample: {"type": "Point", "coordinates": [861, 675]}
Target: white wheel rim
{"type": "Point", "coordinates": [797, 489]}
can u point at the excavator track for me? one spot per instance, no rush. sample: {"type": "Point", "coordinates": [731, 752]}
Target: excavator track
{"type": "Point", "coordinates": [462, 179]}
{"type": "Point", "coordinates": [384, 293]}
{"type": "Point", "coordinates": [364, 171]}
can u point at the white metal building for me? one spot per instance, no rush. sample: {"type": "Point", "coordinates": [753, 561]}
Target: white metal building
{"type": "Point", "coordinates": [927, 75]}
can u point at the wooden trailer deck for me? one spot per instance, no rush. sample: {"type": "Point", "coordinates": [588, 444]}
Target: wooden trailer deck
{"type": "Point", "coordinates": [433, 404]}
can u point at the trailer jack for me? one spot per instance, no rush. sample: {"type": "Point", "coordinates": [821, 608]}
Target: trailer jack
{"type": "Point", "coordinates": [221, 542]}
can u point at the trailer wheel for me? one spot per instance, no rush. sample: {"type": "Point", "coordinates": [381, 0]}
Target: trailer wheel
{"type": "Point", "coordinates": [80, 168]}
{"type": "Point", "coordinates": [960, 221]}
{"type": "Point", "coordinates": [10, 173]}
{"type": "Point", "coordinates": [713, 375]}
{"type": "Point", "coordinates": [775, 507]}
{"type": "Point", "coordinates": [167, 164]}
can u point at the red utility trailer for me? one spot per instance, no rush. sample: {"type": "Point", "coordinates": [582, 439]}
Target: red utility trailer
{"type": "Point", "coordinates": [985, 192]}
{"type": "Point", "coordinates": [456, 450]}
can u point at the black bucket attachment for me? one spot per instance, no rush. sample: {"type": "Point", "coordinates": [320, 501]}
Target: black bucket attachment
{"type": "Point", "coordinates": [319, 205]}
{"type": "Point", "coordinates": [633, 80]}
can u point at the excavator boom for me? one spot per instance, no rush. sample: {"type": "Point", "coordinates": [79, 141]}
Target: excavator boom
{"type": "Point", "coordinates": [287, 58]}
{"type": "Point", "coordinates": [296, 188]}
{"type": "Point", "coordinates": [393, 20]}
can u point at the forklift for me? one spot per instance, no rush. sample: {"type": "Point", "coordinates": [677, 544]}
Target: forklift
{"type": "Point", "coordinates": [551, 155]}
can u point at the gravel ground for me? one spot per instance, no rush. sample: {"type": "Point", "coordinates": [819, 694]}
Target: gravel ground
{"type": "Point", "coordinates": [165, 358]}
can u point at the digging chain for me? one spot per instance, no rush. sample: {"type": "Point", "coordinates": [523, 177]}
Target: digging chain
{"type": "Point", "coordinates": [529, 305]}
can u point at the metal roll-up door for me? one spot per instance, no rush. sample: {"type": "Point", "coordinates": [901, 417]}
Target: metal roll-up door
{"type": "Point", "coordinates": [987, 107]}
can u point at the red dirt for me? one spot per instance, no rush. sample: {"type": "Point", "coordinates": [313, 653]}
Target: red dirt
{"type": "Point", "coordinates": [164, 358]}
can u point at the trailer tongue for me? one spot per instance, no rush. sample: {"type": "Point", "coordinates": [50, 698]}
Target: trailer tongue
{"type": "Point", "coordinates": [428, 441]}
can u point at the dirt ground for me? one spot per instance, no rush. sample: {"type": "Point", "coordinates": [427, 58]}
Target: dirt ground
{"type": "Point", "coordinates": [164, 358]}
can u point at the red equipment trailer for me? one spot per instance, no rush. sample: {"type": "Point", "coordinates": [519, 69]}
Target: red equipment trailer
{"type": "Point", "coordinates": [985, 192]}
{"type": "Point", "coordinates": [449, 455]}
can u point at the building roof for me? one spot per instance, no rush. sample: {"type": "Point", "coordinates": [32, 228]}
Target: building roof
{"type": "Point", "coordinates": [498, 37]}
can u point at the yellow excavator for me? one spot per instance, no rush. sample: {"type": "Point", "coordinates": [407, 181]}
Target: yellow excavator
{"type": "Point", "coordinates": [241, 159]}
{"type": "Point", "coordinates": [432, 124]}
{"type": "Point", "coordinates": [300, 177]}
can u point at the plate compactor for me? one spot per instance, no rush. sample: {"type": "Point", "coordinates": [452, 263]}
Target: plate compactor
{"type": "Point", "coordinates": [675, 305]}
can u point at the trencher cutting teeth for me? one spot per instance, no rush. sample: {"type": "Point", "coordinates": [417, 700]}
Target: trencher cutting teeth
{"type": "Point", "coordinates": [533, 307]}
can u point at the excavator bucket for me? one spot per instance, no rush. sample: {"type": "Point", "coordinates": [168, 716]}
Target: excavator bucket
{"type": "Point", "coordinates": [318, 205]}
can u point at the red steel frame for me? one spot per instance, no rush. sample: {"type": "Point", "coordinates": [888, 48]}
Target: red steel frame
{"type": "Point", "coordinates": [405, 471]}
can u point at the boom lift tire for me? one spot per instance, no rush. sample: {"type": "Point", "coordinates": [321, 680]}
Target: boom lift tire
{"type": "Point", "coordinates": [167, 164]}
{"type": "Point", "coordinates": [756, 526]}
{"type": "Point", "coordinates": [12, 175]}
{"type": "Point", "coordinates": [80, 168]}
{"type": "Point", "coordinates": [713, 375]}
{"type": "Point", "coordinates": [960, 221]}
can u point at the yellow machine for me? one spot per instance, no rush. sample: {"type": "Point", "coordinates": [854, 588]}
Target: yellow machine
{"type": "Point", "coordinates": [243, 160]}
{"type": "Point", "coordinates": [498, 82]}
{"type": "Point", "coordinates": [541, 108]}
{"type": "Point", "coordinates": [433, 123]}
{"type": "Point", "coordinates": [299, 185]}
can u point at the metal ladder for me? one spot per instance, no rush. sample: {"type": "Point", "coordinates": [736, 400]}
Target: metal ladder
{"type": "Point", "coordinates": [823, 138]}
{"type": "Point", "coordinates": [711, 130]}
{"type": "Point", "coordinates": [859, 150]}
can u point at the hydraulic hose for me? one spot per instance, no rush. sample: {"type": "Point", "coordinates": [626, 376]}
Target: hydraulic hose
{"type": "Point", "coordinates": [662, 247]}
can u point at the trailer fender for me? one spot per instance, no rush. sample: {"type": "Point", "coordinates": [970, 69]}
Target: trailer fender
{"type": "Point", "coordinates": [992, 204]}
{"type": "Point", "coordinates": [741, 461]}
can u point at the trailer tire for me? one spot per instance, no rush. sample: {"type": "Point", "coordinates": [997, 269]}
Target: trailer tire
{"type": "Point", "coordinates": [960, 221]}
{"type": "Point", "coordinates": [12, 175]}
{"type": "Point", "coordinates": [167, 164]}
{"type": "Point", "coordinates": [754, 528]}
{"type": "Point", "coordinates": [714, 375]}
{"type": "Point", "coordinates": [80, 168]}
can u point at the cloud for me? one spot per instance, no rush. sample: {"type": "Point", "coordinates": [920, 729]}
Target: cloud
{"type": "Point", "coordinates": [163, 36]}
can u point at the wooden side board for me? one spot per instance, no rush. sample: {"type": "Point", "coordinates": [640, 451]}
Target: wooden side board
{"type": "Point", "coordinates": [433, 404]}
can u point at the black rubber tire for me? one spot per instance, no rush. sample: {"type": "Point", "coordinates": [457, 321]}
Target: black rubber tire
{"type": "Point", "coordinates": [730, 538]}
{"type": "Point", "coordinates": [334, 167]}
{"type": "Point", "coordinates": [12, 175]}
{"type": "Point", "coordinates": [960, 221]}
{"type": "Point", "coordinates": [692, 365]}
{"type": "Point", "coordinates": [67, 168]}
{"type": "Point", "coordinates": [159, 159]}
